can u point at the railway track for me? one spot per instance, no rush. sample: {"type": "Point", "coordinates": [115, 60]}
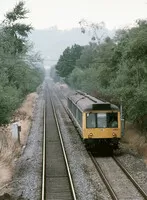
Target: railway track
{"type": "Point", "coordinates": [104, 168]}
{"type": "Point", "coordinates": [56, 178]}
{"type": "Point", "coordinates": [139, 191]}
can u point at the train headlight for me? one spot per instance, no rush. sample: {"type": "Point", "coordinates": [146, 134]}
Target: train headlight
{"type": "Point", "coordinates": [90, 135]}
{"type": "Point", "coordinates": [114, 134]}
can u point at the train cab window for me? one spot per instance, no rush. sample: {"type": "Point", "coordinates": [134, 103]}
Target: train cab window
{"type": "Point", "coordinates": [112, 120]}
{"type": "Point", "coordinates": [91, 120]}
{"type": "Point", "coordinates": [101, 120]}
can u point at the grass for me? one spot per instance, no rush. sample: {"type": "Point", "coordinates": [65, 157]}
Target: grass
{"type": "Point", "coordinates": [10, 150]}
{"type": "Point", "coordinates": [135, 140]}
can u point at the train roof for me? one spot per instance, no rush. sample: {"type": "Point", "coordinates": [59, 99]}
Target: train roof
{"type": "Point", "coordinates": [86, 102]}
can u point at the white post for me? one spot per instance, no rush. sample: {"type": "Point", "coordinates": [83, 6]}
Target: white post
{"type": "Point", "coordinates": [16, 128]}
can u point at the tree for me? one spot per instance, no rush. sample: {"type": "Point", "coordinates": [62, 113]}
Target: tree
{"type": "Point", "coordinates": [87, 56]}
{"type": "Point", "coordinates": [16, 30]}
{"type": "Point", "coordinates": [19, 74]}
{"type": "Point", "coordinates": [97, 30]}
{"type": "Point", "coordinates": [67, 61]}
{"type": "Point", "coordinates": [116, 70]}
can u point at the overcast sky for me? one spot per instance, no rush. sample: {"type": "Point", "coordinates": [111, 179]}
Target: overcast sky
{"type": "Point", "coordinates": [66, 14]}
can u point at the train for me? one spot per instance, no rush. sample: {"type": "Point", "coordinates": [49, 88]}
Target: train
{"type": "Point", "coordinates": [99, 122]}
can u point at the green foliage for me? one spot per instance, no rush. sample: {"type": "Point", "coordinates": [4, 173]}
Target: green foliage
{"type": "Point", "coordinates": [9, 100]}
{"type": "Point", "coordinates": [86, 57]}
{"type": "Point", "coordinates": [19, 74]}
{"type": "Point", "coordinates": [16, 30]}
{"type": "Point", "coordinates": [67, 61]}
{"type": "Point", "coordinates": [75, 78]}
{"type": "Point", "coordinates": [116, 69]}
{"type": "Point", "coordinates": [18, 12]}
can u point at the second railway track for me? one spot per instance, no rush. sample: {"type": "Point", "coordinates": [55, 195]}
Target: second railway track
{"type": "Point", "coordinates": [57, 183]}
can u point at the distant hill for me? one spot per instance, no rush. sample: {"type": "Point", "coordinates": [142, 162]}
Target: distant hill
{"type": "Point", "coordinates": [52, 42]}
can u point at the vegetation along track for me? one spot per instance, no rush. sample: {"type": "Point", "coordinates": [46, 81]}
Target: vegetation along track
{"type": "Point", "coordinates": [128, 186]}
{"type": "Point", "coordinates": [57, 181]}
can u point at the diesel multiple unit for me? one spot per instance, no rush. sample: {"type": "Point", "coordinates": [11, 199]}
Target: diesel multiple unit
{"type": "Point", "coordinates": [97, 121]}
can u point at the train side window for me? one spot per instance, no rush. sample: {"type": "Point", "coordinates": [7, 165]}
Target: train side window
{"type": "Point", "coordinates": [74, 110]}
{"type": "Point", "coordinates": [77, 116]}
{"type": "Point", "coordinates": [80, 117]}
{"type": "Point", "coordinates": [101, 120]}
{"type": "Point", "coordinates": [69, 104]}
{"type": "Point", "coordinates": [91, 120]}
{"type": "Point", "coordinates": [71, 107]}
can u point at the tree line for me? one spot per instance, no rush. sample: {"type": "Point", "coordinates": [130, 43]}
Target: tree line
{"type": "Point", "coordinates": [114, 69]}
{"type": "Point", "coordinates": [20, 71]}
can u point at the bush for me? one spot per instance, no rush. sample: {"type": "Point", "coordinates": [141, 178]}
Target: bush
{"type": "Point", "coordinates": [9, 100]}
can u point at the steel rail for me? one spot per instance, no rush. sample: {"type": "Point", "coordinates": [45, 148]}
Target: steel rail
{"type": "Point", "coordinates": [43, 157]}
{"type": "Point", "coordinates": [101, 173]}
{"type": "Point", "coordinates": [64, 152]}
{"type": "Point", "coordinates": [108, 186]}
{"type": "Point", "coordinates": [141, 191]}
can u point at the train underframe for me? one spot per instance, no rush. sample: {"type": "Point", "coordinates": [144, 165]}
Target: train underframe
{"type": "Point", "coordinates": [110, 143]}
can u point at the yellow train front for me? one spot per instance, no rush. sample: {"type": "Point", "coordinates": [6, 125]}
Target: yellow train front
{"type": "Point", "coordinates": [99, 122]}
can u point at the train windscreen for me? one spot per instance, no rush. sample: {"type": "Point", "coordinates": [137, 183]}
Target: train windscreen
{"type": "Point", "coordinates": [101, 120]}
